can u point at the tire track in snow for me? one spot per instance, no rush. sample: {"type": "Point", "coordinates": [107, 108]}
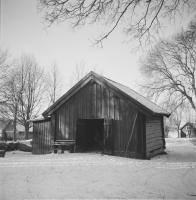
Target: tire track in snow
{"type": "Point", "coordinates": [90, 161]}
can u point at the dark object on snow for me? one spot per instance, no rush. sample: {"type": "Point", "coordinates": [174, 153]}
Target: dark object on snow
{"type": "Point", "coordinates": [12, 146]}
{"type": "Point", "coordinates": [163, 153]}
{"type": "Point", "coordinates": [2, 153]}
{"type": "Point", "coordinates": [3, 146]}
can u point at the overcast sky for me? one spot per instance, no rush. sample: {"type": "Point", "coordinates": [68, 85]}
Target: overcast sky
{"type": "Point", "coordinates": [22, 31]}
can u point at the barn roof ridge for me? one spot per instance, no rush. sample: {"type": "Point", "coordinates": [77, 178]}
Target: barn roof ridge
{"type": "Point", "coordinates": [149, 105]}
{"type": "Point", "coordinates": [191, 123]}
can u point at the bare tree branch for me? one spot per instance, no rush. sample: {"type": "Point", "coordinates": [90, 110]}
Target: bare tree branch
{"type": "Point", "coordinates": [5, 64]}
{"type": "Point", "coordinates": [169, 70]}
{"type": "Point", "coordinates": [141, 19]}
{"type": "Point", "coordinates": [80, 71]}
{"type": "Point", "coordinates": [54, 83]}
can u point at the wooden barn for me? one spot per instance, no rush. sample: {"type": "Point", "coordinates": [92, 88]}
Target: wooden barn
{"type": "Point", "coordinates": [188, 130]}
{"type": "Point", "coordinates": [102, 115]}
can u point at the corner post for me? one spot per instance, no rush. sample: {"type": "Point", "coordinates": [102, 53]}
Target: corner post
{"type": "Point", "coordinates": [52, 128]}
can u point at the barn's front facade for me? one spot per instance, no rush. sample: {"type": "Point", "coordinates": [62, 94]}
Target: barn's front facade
{"type": "Point", "coordinates": [102, 115]}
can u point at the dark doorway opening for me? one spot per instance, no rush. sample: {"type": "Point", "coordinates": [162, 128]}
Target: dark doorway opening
{"type": "Point", "coordinates": [94, 135]}
{"type": "Point", "coordinates": [89, 135]}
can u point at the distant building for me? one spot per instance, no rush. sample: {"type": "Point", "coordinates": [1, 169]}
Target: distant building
{"type": "Point", "coordinates": [188, 130]}
{"type": "Point", "coordinates": [7, 125]}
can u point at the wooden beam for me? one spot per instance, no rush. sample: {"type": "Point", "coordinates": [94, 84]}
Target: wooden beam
{"type": "Point", "coordinates": [163, 132]}
{"type": "Point", "coordinates": [144, 137]}
{"type": "Point", "coordinates": [52, 128]}
{"type": "Point", "coordinates": [131, 133]}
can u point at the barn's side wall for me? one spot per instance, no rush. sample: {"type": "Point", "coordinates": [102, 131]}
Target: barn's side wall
{"type": "Point", "coordinates": [154, 136]}
{"type": "Point", "coordinates": [95, 101]}
{"type": "Point", "coordinates": [41, 137]}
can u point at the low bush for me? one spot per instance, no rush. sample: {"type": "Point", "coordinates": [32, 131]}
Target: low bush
{"type": "Point", "coordinates": [12, 146]}
{"type": "Point", "coordinates": [3, 136]}
{"type": "Point", "coordinates": [10, 138]}
{"type": "Point", "coordinates": [3, 146]}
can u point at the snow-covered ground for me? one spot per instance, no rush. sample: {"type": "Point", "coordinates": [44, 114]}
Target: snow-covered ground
{"type": "Point", "coordinates": [173, 134]}
{"type": "Point", "coordinates": [96, 176]}
{"type": "Point", "coordinates": [182, 141]}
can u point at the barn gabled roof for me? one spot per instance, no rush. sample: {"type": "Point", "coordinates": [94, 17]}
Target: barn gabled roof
{"type": "Point", "coordinates": [136, 100]}
{"type": "Point", "coordinates": [190, 124]}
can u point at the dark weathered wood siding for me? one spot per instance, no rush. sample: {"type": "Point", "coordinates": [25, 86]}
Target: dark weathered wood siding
{"type": "Point", "coordinates": [41, 137]}
{"type": "Point", "coordinates": [95, 101]}
{"type": "Point", "coordinates": [154, 136]}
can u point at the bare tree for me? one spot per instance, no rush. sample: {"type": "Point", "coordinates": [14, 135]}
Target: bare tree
{"type": "Point", "coordinates": [10, 96]}
{"type": "Point", "coordinates": [141, 19]}
{"type": "Point", "coordinates": [55, 83]}
{"type": "Point", "coordinates": [80, 71]}
{"type": "Point", "coordinates": [189, 114]}
{"type": "Point", "coordinates": [24, 91]}
{"type": "Point", "coordinates": [169, 70]}
{"type": "Point", "coordinates": [31, 79]}
{"type": "Point", "coordinates": [5, 64]}
{"type": "Point", "coordinates": [167, 126]}
{"type": "Point", "coordinates": [177, 117]}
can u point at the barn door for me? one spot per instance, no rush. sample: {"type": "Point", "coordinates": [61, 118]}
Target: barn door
{"type": "Point", "coordinates": [108, 137]}
{"type": "Point", "coordinates": [80, 135]}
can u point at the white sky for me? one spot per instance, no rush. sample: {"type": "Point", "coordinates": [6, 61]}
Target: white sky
{"type": "Point", "coordinates": [22, 31]}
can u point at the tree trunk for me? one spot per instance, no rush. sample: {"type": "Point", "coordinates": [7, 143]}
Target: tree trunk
{"type": "Point", "coordinates": [178, 131]}
{"type": "Point", "coordinates": [26, 131]}
{"type": "Point", "coordinates": [15, 121]}
{"type": "Point", "coordinates": [166, 134]}
{"type": "Point", "coordinates": [14, 128]}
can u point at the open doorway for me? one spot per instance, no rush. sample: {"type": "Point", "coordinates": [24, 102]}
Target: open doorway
{"type": "Point", "coordinates": [90, 135]}
{"type": "Point", "coordinates": [94, 135]}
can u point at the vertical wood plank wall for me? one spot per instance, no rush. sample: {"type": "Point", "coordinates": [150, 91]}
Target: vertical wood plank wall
{"type": "Point", "coordinates": [154, 136]}
{"type": "Point", "coordinates": [41, 137]}
{"type": "Point", "coordinates": [95, 101]}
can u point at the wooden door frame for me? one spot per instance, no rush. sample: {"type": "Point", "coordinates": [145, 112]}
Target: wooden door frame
{"type": "Point", "coordinates": [144, 154]}
{"type": "Point", "coordinates": [108, 130]}
{"type": "Point", "coordinates": [141, 136]}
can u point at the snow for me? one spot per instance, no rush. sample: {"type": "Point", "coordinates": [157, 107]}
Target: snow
{"type": "Point", "coordinates": [96, 176]}
{"type": "Point", "coordinates": [181, 141]}
{"type": "Point", "coordinates": [173, 134]}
